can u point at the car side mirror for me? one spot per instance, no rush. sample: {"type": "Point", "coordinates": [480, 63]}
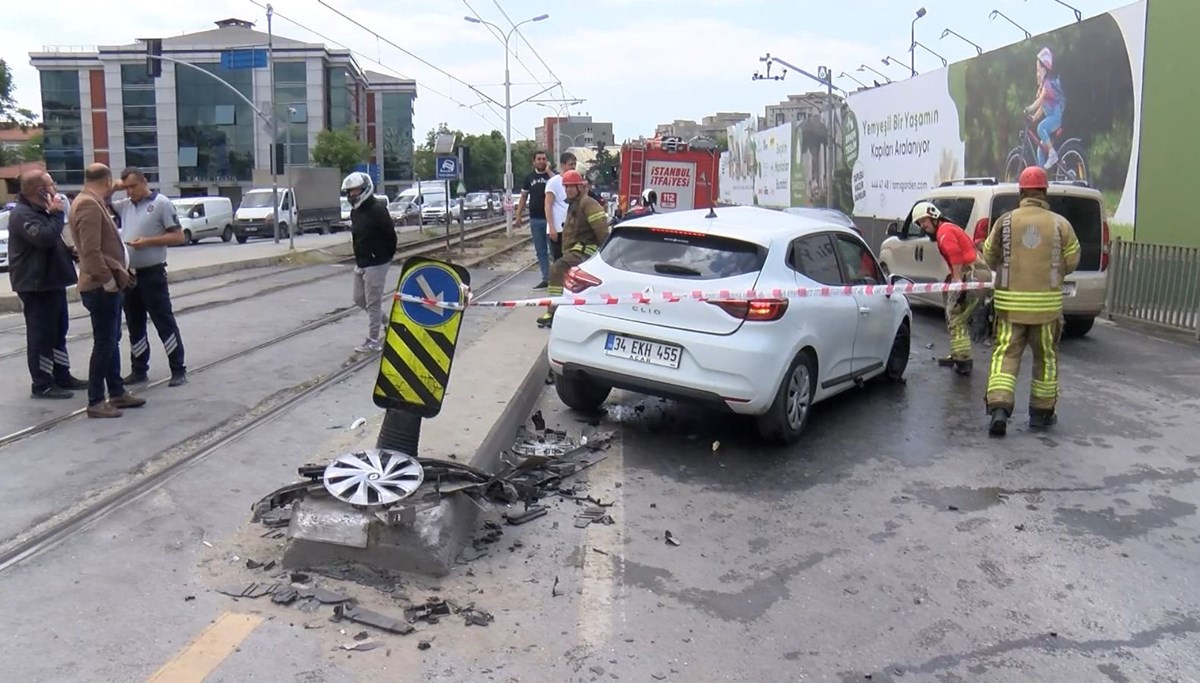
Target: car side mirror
{"type": "Point", "coordinates": [893, 229]}
{"type": "Point", "coordinates": [896, 279]}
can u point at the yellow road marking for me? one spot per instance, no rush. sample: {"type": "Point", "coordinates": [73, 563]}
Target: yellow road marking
{"type": "Point", "coordinates": [204, 654]}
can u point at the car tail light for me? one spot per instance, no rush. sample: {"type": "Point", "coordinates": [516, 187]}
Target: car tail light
{"type": "Point", "coordinates": [981, 229]}
{"type": "Point", "coordinates": [1104, 247]}
{"type": "Point", "coordinates": [577, 280]}
{"type": "Point", "coordinates": [753, 310]}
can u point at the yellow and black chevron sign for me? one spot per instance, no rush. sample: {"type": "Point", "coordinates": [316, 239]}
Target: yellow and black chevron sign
{"type": "Point", "coordinates": [418, 349]}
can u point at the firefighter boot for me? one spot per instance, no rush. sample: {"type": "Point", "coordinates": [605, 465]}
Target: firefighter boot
{"type": "Point", "coordinates": [998, 425]}
{"type": "Point", "coordinates": [946, 362]}
{"type": "Point", "coordinates": [546, 320]}
{"type": "Point", "coordinates": [964, 367]}
{"type": "Point", "coordinates": [1040, 418]}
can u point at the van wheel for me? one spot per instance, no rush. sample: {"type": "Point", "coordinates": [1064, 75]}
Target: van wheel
{"type": "Point", "coordinates": [1077, 326]}
{"type": "Point", "coordinates": [242, 239]}
{"type": "Point", "coordinates": [283, 230]}
{"type": "Point", "coordinates": [580, 393]}
{"type": "Point", "coordinates": [187, 237]}
{"type": "Point", "coordinates": [227, 234]}
{"type": "Point", "coordinates": [898, 358]}
{"type": "Point", "coordinates": [785, 420]}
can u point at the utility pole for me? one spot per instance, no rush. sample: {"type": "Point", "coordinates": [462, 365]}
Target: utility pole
{"type": "Point", "coordinates": [274, 147]}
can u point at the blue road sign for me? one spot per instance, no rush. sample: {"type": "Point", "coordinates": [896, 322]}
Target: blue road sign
{"type": "Point", "coordinates": [371, 170]}
{"type": "Point", "coordinates": [447, 167]}
{"type": "Point", "coordinates": [433, 282]}
{"type": "Point", "coordinates": [244, 58]}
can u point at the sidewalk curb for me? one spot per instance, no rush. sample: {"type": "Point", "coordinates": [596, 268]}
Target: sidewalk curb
{"type": "Point", "coordinates": [10, 303]}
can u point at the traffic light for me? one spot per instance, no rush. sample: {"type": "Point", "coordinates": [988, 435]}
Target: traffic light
{"type": "Point", "coordinates": [153, 51]}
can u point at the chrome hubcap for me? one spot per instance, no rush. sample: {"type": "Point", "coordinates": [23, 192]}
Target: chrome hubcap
{"type": "Point", "coordinates": [374, 478]}
{"type": "Point", "coordinates": [797, 397]}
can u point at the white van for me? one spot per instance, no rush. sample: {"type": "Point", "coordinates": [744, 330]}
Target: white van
{"type": "Point", "coordinates": [203, 217]}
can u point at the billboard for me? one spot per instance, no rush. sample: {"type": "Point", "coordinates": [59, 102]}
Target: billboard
{"type": "Point", "coordinates": [739, 164]}
{"type": "Point", "coordinates": [1068, 100]}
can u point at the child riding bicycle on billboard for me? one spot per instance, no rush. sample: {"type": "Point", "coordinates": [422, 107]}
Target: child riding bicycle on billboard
{"type": "Point", "coordinates": [1049, 106]}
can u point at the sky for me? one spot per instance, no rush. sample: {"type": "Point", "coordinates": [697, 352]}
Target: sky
{"type": "Point", "coordinates": [635, 63]}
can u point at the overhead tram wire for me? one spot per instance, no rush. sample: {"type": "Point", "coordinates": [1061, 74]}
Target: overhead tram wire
{"type": "Point", "coordinates": [561, 87]}
{"type": "Point", "coordinates": [495, 32]}
{"type": "Point", "coordinates": [367, 58]}
{"type": "Point", "coordinates": [491, 102]}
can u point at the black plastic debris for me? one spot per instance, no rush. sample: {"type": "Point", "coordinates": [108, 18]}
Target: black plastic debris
{"type": "Point", "coordinates": [527, 516]}
{"type": "Point", "coordinates": [554, 592]}
{"type": "Point", "coordinates": [362, 635]}
{"type": "Point", "coordinates": [593, 515]}
{"type": "Point", "coordinates": [251, 564]}
{"type": "Point", "coordinates": [670, 539]}
{"type": "Point", "coordinates": [252, 590]}
{"type": "Point", "coordinates": [431, 612]}
{"type": "Point", "coordinates": [323, 596]}
{"type": "Point", "coordinates": [366, 617]}
{"type": "Point", "coordinates": [476, 617]}
{"type": "Point", "coordinates": [539, 422]}
{"type": "Point", "coordinates": [189, 598]}
{"type": "Point", "coordinates": [424, 645]}
{"type": "Point", "coordinates": [471, 553]}
{"type": "Point", "coordinates": [299, 577]}
{"type": "Point", "coordinates": [269, 566]}
{"type": "Point", "coordinates": [285, 596]}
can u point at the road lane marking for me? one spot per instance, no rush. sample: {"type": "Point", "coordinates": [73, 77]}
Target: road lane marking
{"type": "Point", "coordinates": [203, 655]}
{"type": "Point", "coordinates": [598, 602]}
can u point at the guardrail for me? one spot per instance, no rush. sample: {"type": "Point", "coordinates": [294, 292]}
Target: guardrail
{"type": "Point", "coordinates": [1157, 284]}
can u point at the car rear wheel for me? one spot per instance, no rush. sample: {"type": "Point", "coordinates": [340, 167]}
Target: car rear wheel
{"type": "Point", "coordinates": [580, 393]}
{"type": "Point", "coordinates": [1076, 326]}
{"type": "Point", "coordinates": [898, 358]}
{"type": "Point", "coordinates": [787, 417]}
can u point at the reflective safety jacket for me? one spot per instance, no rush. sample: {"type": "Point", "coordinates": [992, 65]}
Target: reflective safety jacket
{"type": "Point", "coordinates": [586, 227]}
{"type": "Point", "coordinates": [1032, 250]}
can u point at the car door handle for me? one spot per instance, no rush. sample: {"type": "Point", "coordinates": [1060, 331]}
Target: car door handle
{"type": "Point", "coordinates": [863, 310]}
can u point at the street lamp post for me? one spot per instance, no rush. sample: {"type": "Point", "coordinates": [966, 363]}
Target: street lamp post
{"type": "Point", "coordinates": [892, 61]}
{"type": "Point", "coordinates": [949, 32]}
{"type": "Point", "coordinates": [274, 126]}
{"type": "Point", "coordinates": [1078, 14]}
{"type": "Point", "coordinates": [508, 175]}
{"type": "Point", "coordinates": [997, 13]}
{"type": "Point", "coordinates": [287, 163]}
{"type": "Point", "coordinates": [864, 67]}
{"type": "Point", "coordinates": [846, 75]}
{"type": "Point", "coordinates": [912, 64]}
{"type": "Point", "coordinates": [913, 48]}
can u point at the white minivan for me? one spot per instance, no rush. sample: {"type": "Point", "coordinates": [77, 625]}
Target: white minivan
{"type": "Point", "coordinates": [203, 217]}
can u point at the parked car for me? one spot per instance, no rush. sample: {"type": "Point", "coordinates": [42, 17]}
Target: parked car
{"type": "Point", "coordinates": [436, 210]}
{"type": "Point", "coordinates": [203, 217]}
{"type": "Point", "coordinates": [404, 211]}
{"type": "Point", "coordinates": [478, 205]}
{"type": "Point", "coordinates": [3, 240]}
{"type": "Point", "coordinates": [974, 204]}
{"type": "Point", "coordinates": [771, 358]}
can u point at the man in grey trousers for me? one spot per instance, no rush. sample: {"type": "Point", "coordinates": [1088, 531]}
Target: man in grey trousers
{"type": "Point", "coordinates": [373, 233]}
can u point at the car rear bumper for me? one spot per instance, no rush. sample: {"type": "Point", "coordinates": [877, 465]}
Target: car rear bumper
{"type": "Point", "coordinates": [740, 371]}
{"type": "Point", "coordinates": [1091, 290]}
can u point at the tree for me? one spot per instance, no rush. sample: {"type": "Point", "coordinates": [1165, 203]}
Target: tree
{"type": "Point", "coordinates": [341, 149]}
{"type": "Point", "coordinates": [606, 169]}
{"type": "Point", "coordinates": [32, 149]}
{"type": "Point", "coordinates": [10, 113]}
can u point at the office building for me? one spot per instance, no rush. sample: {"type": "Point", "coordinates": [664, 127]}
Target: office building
{"type": "Point", "coordinates": [558, 134]}
{"type": "Point", "coordinates": [193, 134]}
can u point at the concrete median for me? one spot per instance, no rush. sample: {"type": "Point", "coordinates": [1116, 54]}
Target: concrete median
{"type": "Point", "coordinates": [495, 384]}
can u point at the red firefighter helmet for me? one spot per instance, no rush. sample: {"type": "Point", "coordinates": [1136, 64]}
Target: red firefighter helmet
{"type": "Point", "coordinates": [1033, 178]}
{"type": "Point", "coordinates": [572, 177]}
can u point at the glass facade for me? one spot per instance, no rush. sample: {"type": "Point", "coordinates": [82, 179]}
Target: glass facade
{"type": "Point", "coordinates": [141, 119]}
{"type": "Point", "coordinates": [216, 128]}
{"type": "Point", "coordinates": [397, 124]}
{"type": "Point", "coordinates": [291, 98]}
{"type": "Point", "coordinates": [63, 119]}
{"type": "Point", "coordinates": [341, 98]}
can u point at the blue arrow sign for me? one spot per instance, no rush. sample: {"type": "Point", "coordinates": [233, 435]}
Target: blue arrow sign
{"type": "Point", "coordinates": [447, 167]}
{"type": "Point", "coordinates": [435, 283]}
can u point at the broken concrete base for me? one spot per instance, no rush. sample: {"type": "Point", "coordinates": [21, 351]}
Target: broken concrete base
{"type": "Point", "coordinates": [428, 545]}
{"type": "Point", "coordinates": [494, 387]}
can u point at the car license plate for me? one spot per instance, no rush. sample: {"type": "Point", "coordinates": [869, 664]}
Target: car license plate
{"type": "Point", "coordinates": [666, 355]}
{"type": "Point", "coordinates": [1068, 289]}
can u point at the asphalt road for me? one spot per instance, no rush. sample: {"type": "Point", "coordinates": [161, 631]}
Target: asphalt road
{"type": "Point", "coordinates": [896, 541]}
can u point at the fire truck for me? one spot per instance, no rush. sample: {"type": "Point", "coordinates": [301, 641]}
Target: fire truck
{"type": "Point", "coordinates": [683, 175]}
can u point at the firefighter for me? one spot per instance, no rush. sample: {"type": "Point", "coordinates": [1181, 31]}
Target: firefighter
{"type": "Point", "coordinates": [647, 206]}
{"type": "Point", "coordinates": [584, 231]}
{"type": "Point", "coordinates": [1032, 249]}
{"type": "Point", "coordinates": [965, 265]}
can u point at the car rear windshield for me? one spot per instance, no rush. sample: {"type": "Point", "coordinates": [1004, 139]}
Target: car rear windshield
{"type": "Point", "coordinates": [1085, 215]}
{"type": "Point", "coordinates": [690, 256]}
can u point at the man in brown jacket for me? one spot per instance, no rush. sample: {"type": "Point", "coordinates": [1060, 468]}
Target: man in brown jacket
{"type": "Point", "coordinates": [103, 275]}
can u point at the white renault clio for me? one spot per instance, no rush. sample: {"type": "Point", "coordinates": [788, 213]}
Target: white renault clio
{"type": "Point", "coordinates": [771, 357]}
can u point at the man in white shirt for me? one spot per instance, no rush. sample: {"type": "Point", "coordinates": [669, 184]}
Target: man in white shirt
{"type": "Point", "coordinates": [556, 205]}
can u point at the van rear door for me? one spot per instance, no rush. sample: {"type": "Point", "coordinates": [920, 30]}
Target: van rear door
{"type": "Point", "coordinates": [1085, 214]}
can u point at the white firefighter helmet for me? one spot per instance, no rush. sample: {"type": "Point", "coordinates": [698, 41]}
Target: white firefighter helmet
{"type": "Point", "coordinates": [358, 181]}
{"type": "Point", "coordinates": [649, 197]}
{"type": "Point", "coordinates": [926, 210]}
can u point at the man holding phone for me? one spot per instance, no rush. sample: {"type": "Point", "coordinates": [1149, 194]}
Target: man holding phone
{"type": "Point", "coordinates": [40, 270]}
{"type": "Point", "coordinates": [149, 224]}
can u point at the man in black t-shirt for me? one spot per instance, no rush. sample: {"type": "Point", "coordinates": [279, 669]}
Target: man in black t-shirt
{"type": "Point", "coordinates": [533, 191]}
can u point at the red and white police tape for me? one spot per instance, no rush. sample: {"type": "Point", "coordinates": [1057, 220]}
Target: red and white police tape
{"type": "Point", "coordinates": [698, 295]}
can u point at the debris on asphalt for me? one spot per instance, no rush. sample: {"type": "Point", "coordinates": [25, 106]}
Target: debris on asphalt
{"type": "Point", "coordinates": [362, 646]}
{"type": "Point", "coordinates": [851, 591]}
{"type": "Point", "coordinates": [362, 635]}
{"type": "Point", "coordinates": [269, 566]}
{"type": "Point", "coordinates": [554, 592]}
{"type": "Point", "coordinates": [599, 551]}
{"type": "Point", "coordinates": [1019, 527]}
{"type": "Point", "coordinates": [471, 553]}
{"type": "Point", "coordinates": [593, 515]}
{"type": "Point", "coordinates": [475, 617]}
{"type": "Point", "coordinates": [252, 590]}
{"type": "Point", "coordinates": [539, 422]}
{"type": "Point", "coordinates": [285, 596]}
{"type": "Point", "coordinates": [189, 598]}
{"type": "Point", "coordinates": [424, 645]}
{"type": "Point", "coordinates": [598, 670]}
{"type": "Point", "coordinates": [431, 612]}
{"type": "Point", "coordinates": [952, 508]}
{"type": "Point", "coordinates": [716, 446]}
{"type": "Point", "coordinates": [527, 516]}
{"type": "Point", "coordinates": [358, 423]}
{"type": "Point", "coordinates": [207, 544]}
{"type": "Point", "coordinates": [670, 539]}
{"type": "Point", "coordinates": [366, 617]}
{"type": "Point", "coordinates": [299, 577]}
{"type": "Point", "coordinates": [323, 596]}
